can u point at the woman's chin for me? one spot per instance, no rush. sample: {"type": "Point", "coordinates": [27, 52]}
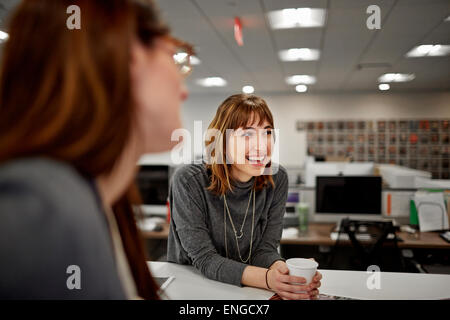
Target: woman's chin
{"type": "Point", "coordinates": [255, 170]}
{"type": "Point", "coordinates": [161, 146]}
{"type": "Point", "coordinates": [162, 141]}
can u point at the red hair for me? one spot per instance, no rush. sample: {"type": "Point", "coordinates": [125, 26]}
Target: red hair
{"type": "Point", "coordinates": [66, 94]}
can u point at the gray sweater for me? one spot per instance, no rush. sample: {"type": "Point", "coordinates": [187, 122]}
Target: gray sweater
{"type": "Point", "coordinates": [196, 235]}
{"type": "Point", "coordinates": [51, 218]}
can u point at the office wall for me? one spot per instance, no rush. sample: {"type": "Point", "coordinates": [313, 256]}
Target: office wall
{"type": "Point", "coordinates": [287, 109]}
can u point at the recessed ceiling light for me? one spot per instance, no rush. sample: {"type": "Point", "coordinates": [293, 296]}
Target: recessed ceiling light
{"type": "Point", "coordinates": [185, 69]}
{"type": "Point", "coordinates": [301, 88]}
{"type": "Point", "coordinates": [300, 79]}
{"type": "Point", "coordinates": [447, 19]}
{"type": "Point", "coordinates": [384, 86]}
{"type": "Point", "coordinates": [396, 77]}
{"type": "Point", "coordinates": [429, 50]}
{"type": "Point", "coordinates": [248, 89]}
{"type": "Point", "coordinates": [299, 54]}
{"type": "Point", "coordinates": [3, 36]}
{"type": "Point", "coordinates": [212, 82]}
{"type": "Point", "coordinates": [195, 60]}
{"type": "Point", "coordinates": [297, 18]}
{"type": "Point", "coordinates": [181, 56]}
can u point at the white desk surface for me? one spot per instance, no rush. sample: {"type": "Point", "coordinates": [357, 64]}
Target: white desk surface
{"type": "Point", "coordinates": [189, 284]}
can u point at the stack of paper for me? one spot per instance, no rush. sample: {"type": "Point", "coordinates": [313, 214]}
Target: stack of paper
{"type": "Point", "coordinates": [431, 210]}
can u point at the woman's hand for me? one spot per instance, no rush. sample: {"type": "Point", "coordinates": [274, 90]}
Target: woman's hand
{"type": "Point", "coordinates": [287, 286]}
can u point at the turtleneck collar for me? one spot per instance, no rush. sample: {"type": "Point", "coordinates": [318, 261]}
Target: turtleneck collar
{"type": "Point", "coordinates": [243, 185]}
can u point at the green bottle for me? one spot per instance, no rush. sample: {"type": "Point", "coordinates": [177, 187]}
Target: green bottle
{"type": "Point", "coordinates": [303, 214]}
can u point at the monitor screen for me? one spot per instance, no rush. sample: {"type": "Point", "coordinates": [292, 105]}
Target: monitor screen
{"type": "Point", "coordinates": [153, 183]}
{"type": "Point", "coordinates": [348, 195]}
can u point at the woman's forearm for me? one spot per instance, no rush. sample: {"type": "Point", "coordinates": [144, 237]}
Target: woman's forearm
{"type": "Point", "coordinates": [254, 277]}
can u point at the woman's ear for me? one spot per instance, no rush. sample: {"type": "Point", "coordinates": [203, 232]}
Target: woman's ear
{"type": "Point", "coordinates": [137, 58]}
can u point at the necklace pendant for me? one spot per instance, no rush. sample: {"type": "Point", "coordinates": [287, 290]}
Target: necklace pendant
{"type": "Point", "coordinates": [239, 236]}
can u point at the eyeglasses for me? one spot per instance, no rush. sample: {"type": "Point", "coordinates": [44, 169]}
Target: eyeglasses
{"type": "Point", "coordinates": [183, 54]}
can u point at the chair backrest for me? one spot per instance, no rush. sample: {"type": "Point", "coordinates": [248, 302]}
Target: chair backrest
{"type": "Point", "coordinates": [379, 231]}
{"type": "Point", "coordinates": [369, 252]}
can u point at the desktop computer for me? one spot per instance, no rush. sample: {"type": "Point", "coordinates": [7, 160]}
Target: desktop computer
{"type": "Point", "coordinates": [290, 218]}
{"type": "Point", "coordinates": [349, 197]}
{"type": "Point", "coordinates": [153, 184]}
{"type": "Point", "coordinates": [355, 197]}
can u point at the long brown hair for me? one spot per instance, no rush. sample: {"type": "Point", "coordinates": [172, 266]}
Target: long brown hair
{"type": "Point", "coordinates": [66, 94]}
{"type": "Point", "coordinates": [234, 112]}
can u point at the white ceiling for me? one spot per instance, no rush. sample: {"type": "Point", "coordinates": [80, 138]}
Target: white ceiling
{"type": "Point", "coordinates": [344, 41]}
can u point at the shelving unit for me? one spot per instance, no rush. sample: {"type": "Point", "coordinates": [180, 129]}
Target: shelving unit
{"type": "Point", "coordinates": [414, 143]}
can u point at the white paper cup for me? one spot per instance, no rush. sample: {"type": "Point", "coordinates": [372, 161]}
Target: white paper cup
{"type": "Point", "coordinates": [301, 267]}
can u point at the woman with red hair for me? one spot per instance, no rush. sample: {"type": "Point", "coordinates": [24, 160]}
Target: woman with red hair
{"type": "Point", "coordinates": [77, 110]}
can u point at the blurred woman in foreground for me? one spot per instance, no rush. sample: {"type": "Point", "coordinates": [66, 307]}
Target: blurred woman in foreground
{"type": "Point", "coordinates": [77, 110]}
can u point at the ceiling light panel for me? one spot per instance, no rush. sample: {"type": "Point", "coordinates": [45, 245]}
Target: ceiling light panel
{"type": "Point", "coordinates": [429, 50]}
{"type": "Point", "coordinates": [297, 18]}
{"type": "Point", "coordinates": [299, 54]}
{"type": "Point", "coordinates": [396, 77]}
{"type": "Point", "coordinates": [3, 36]}
{"type": "Point", "coordinates": [212, 82]}
{"type": "Point", "coordinates": [300, 79]}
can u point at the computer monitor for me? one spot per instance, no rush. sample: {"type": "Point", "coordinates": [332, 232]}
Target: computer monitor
{"type": "Point", "coordinates": [153, 183]}
{"type": "Point", "coordinates": [357, 197]}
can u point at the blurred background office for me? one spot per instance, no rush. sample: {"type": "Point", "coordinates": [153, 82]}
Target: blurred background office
{"type": "Point", "coordinates": [363, 113]}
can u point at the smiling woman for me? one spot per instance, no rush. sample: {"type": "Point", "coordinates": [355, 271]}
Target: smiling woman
{"type": "Point", "coordinates": [226, 214]}
{"type": "Point", "coordinates": [245, 124]}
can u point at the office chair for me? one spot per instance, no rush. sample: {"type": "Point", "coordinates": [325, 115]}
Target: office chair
{"type": "Point", "coordinates": [369, 252]}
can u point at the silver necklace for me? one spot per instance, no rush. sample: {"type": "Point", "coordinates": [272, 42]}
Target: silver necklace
{"type": "Point", "coordinates": [245, 216]}
{"type": "Point", "coordinates": [225, 210]}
